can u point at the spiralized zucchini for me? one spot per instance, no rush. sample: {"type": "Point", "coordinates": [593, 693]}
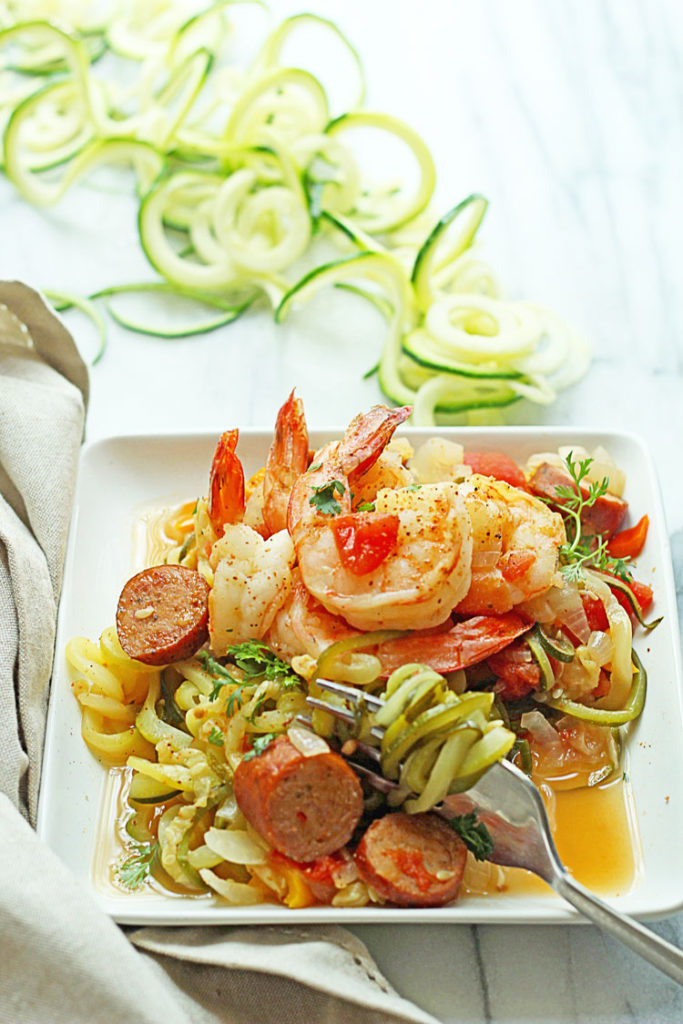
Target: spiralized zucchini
{"type": "Point", "coordinates": [434, 741]}
{"type": "Point", "coordinates": [126, 720]}
{"type": "Point", "coordinates": [238, 170]}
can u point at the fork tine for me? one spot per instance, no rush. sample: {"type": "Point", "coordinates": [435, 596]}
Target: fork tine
{"type": "Point", "coordinates": [342, 713]}
{"type": "Point", "coordinates": [333, 709]}
{"type": "Point", "coordinates": [350, 693]}
{"type": "Point", "coordinates": [372, 753]}
{"type": "Point", "coordinates": [376, 780]}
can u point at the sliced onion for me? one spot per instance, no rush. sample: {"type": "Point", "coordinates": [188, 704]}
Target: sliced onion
{"type": "Point", "coordinates": [306, 742]}
{"type": "Point", "coordinates": [540, 728]}
{"type": "Point", "coordinates": [600, 646]}
{"type": "Point", "coordinates": [236, 893]}
{"type": "Point", "coordinates": [568, 607]}
{"type": "Point", "coordinates": [237, 847]}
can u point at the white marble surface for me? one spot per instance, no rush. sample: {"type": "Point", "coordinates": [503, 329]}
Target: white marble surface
{"type": "Point", "coordinates": [568, 116]}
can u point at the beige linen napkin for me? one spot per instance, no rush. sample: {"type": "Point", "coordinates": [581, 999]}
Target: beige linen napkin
{"type": "Point", "coordinates": [61, 958]}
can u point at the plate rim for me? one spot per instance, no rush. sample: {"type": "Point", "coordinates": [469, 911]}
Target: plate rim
{"type": "Point", "coordinates": [551, 909]}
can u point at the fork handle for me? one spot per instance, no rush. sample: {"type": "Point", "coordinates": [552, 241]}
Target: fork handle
{"type": "Point", "coordinates": [662, 954]}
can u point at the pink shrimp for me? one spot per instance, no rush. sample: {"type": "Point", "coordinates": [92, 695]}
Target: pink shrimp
{"type": "Point", "coordinates": [287, 460]}
{"type": "Point", "coordinates": [303, 626]}
{"type": "Point", "coordinates": [403, 564]}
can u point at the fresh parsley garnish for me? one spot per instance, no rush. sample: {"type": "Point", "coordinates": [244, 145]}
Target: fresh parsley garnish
{"type": "Point", "coordinates": [366, 506]}
{"type": "Point", "coordinates": [133, 872]}
{"type": "Point", "coordinates": [216, 737]}
{"type": "Point", "coordinates": [324, 498]}
{"type": "Point", "coordinates": [219, 671]}
{"type": "Point", "coordinates": [415, 487]}
{"type": "Point", "coordinates": [474, 834]}
{"type": "Point", "coordinates": [315, 467]}
{"type": "Point", "coordinates": [581, 551]}
{"type": "Point", "coordinates": [260, 744]}
{"type": "Point", "coordinates": [256, 660]}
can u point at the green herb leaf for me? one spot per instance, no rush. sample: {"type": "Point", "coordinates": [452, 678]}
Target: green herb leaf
{"type": "Point", "coordinates": [324, 498]}
{"type": "Point", "coordinates": [260, 744]}
{"type": "Point", "coordinates": [366, 506]}
{"type": "Point", "coordinates": [215, 668]}
{"type": "Point", "coordinates": [216, 737]}
{"type": "Point", "coordinates": [257, 661]}
{"type": "Point", "coordinates": [474, 834]}
{"type": "Point", "coordinates": [583, 551]}
{"type": "Point", "coordinates": [315, 468]}
{"type": "Point", "coordinates": [170, 713]}
{"type": "Point", "coordinates": [415, 487]}
{"type": "Point", "coordinates": [133, 872]}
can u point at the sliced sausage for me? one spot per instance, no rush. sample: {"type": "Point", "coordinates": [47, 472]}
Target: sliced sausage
{"type": "Point", "coordinates": [605, 516]}
{"type": "Point", "coordinates": [305, 806]}
{"type": "Point", "coordinates": [163, 614]}
{"type": "Point", "coordinates": [415, 860]}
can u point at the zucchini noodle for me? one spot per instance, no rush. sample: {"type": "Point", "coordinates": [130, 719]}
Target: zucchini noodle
{"type": "Point", "coordinates": [436, 741]}
{"type": "Point", "coordinates": [237, 170]}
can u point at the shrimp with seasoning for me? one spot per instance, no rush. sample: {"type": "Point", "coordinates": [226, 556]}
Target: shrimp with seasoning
{"type": "Point", "coordinates": [405, 564]}
{"type": "Point", "coordinates": [251, 580]}
{"type": "Point", "coordinates": [516, 541]}
{"type": "Point", "coordinates": [250, 577]}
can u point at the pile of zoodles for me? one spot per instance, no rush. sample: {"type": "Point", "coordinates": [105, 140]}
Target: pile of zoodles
{"type": "Point", "coordinates": [238, 173]}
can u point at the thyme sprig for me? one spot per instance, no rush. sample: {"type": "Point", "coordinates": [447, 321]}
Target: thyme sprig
{"type": "Point", "coordinates": [584, 551]}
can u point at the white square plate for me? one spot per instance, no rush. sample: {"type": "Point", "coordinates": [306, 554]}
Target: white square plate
{"type": "Point", "coordinates": [120, 477]}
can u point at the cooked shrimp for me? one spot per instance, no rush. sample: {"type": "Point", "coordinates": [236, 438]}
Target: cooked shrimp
{"type": "Point", "coordinates": [252, 578]}
{"type": "Point", "coordinates": [226, 483]}
{"type": "Point", "coordinates": [287, 460]}
{"type": "Point", "coordinates": [402, 566]}
{"type": "Point", "coordinates": [389, 471]}
{"type": "Point", "coordinates": [303, 626]}
{"type": "Point", "coordinates": [516, 539]}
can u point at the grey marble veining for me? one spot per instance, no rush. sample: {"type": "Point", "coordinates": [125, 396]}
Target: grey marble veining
{"type": "Point", "coordinates": [568, 115]}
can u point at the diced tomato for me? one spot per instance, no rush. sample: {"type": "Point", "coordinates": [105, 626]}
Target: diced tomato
{"type": "Point", "coordinates": [642, 593]}
{"type": "Point", "coordinates": [514, 563]}
{"type": "Point", "coordinates": [629, 543]}
{"type": "Point", "coordinates": [365, 539]}
{"type": "Point", "coordinates": [518, 674]}
{"type": "Point", "coordinates": [595, 612]}
{"type": "Point", "coordinates": [497, 465]}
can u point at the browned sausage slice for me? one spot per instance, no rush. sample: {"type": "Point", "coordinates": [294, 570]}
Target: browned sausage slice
{"type": "Point", "coordinates": [604, 516]}
{"type": "Point", "coordinates": [305, 806]}
{"type": "Point", "coordinates": [163, 614]}
{"type": "Point", "coordinates": [415, 860]}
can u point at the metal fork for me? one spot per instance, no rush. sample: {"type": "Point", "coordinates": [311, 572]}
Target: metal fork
{"type": "Point", "coordinates": [507, 802]}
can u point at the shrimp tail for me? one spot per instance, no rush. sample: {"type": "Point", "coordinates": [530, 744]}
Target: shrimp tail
{"type": "Point", "coordinates": [367, 436]}
{"type": "Point", "coordinates": [226, 484]}
{"type": "Point", "coordinates": [287, 460]}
